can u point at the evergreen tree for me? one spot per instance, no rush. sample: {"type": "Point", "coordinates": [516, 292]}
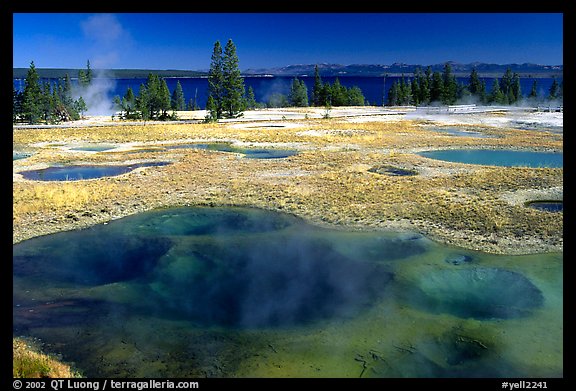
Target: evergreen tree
{"type": "Point", "coordinates": [85, 76]}
{"type": "Point", "coordinates": [164, 99]}
{"type": "Point", "coordinates": [251, 99]}
{"type": "Point", "coordinates": [506, 86]}
{"type": "Point", "coordinates": [216, 83]}
{"type": "Point", "coordinates": [211, 110]}
{"type": "Point", "coordinates": [326, 95]}
{"type": "Point", "coordinates": [129, 102]}
{"type": "Point", "coordinates": [425, 83]}
{"type": "Point", "coordinates": [355, 96]}
{"type": "Point", "coordinates": [88, 72]}
{"type": "Point", "coordinates": [339, 94]}
{"type": "Point", "coordinates": [450, 87]}
{"type": "Point", "coordinates": [516, 88]}
{"type": "Point", "coordinates": [482, 92]}
{"type": "Point", "coordinates": [80, 106]}
{"type": "Point", "coordinates": [153, 97]}
{"type": "Point", "coordinates": [142, 102]}
{"type": "Point", "coordinates": [317, 89]}
{"type": "Point", "coordinates": [178, 102]}
{"type": "Point", "coordinates": [298, 96]}
{"type": "Point", "coordinates": [553, 92]}
{"type": "Point", "coordinates": [405, 97]}
{"type": "Point", "coordinates": [436, 87]}
{"type": "Point", "coordinates": [415, 89]}
{"type": "Point", "coordinates": [233, 83]}
{"type": "Point", "coordinates": [31, 96]}
{"type": "Point", "coordinates": [127, 105]}
{"type": "Point", "coordinates": [393, 93]}
{"type": "Point", "coordinates": [58, 112]}
{"type": "Point", "coordinates": [497, 96]}
{"type": "Point", "coordinates": [474, 84]}
{"type": "Point", "coordinates": [534, 91]}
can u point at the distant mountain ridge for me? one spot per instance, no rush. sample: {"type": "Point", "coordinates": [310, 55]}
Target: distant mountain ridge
{"type": "Point", "coordinates": [370, 70]}
{"type": "Point", "coordinates": [397, 69]}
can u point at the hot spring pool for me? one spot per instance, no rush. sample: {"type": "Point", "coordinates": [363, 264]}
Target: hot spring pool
{"type": "Point", "coordinates": [491, 157]}
{"type": "Point", "coordinates": [80, 172]}
{"type": "Point", "coordinates": [242, 292]}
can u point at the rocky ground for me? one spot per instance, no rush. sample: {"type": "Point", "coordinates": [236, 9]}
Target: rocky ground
{"type": "Point", "coordinates": [329, 182]}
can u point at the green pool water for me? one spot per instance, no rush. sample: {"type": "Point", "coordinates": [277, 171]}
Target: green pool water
{"type": "Point", "coordinates": [242, 292]}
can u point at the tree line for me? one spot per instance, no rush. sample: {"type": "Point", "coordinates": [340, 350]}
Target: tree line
{"type": "Point", "coordinates": [227, 97]}
{"type": "Point", "coordinates": [50, 102]}
{"type": "Point", "coordinates": [428, 87]}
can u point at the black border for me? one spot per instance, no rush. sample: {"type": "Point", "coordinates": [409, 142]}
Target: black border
{"type": "Point", "coordinates": [488, 6]}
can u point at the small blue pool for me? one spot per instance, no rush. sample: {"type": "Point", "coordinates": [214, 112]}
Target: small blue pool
{"type": "Point", "coordinates": [20, 155]}
{"type": "Point", "coordinates": [493, 157]}
{"type": "Point", "coordinates": [79, 172]}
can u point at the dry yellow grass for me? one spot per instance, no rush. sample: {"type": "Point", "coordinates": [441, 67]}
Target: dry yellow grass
{"type": "Point", "coordinates": [328, 182]}
{"type": "Point", "coordinates": [45, 198]}
{"type": "Point", "coordinates": [29, 362]}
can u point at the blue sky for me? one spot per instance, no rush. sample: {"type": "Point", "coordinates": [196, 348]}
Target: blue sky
{"type": "Point", "coordinates": [185, 41]}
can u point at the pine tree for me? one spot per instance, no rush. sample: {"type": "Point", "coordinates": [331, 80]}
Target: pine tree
{"type": "Point", "coordinates": [85, 76]}
{"type": "Point", "coordinates": [127, 105]}
{"type": "Point", "coordinates": [317, 89]}
{"type": "Point", "coordinates": [497, 96]}
{"type": "Point", "coordinates": [393, 93]}
{"type": "Point", "coordinates": [516, 88]}
{"type": "Point", "coordinates": [338, 94]}
{"type": "Point", "coordinates": [164, 99]}
{"type": "Point", "coordinates": [250, 99]}
{"type": "Point", "coordinates": [326, 95]}
{"type": "Point", "coordinates": [534, 91]}
{"type": "Point", "coordinates": [31, 109]}
{"type": "Point", "coordinates": [298, 96]}
{"type": "Point", "coordinates": [233, 102]}
{"type": "Point", "coordinates": [177, 101]}
{"type": "Point", "coordinates": [482, 92]}
{"type": "Point", "coordinates": [80, 106]}
{"type": "Point", "coordinates": [211, 110]}
{"type": "Point", "coordinates": [425, 81]}
{"type": "Point", "coordinates": [216, 84]}
{"type": "Point", "coordinates": [474, 83]}
{"type": "Point", "coordinates": [450, 87]}
{"type": "Point", "coordinates": [553, 91]}
{"type": "Point", "coordinates": [405, 92]}
{"type": "Point", "coordinates": [506, 85]}
{"type": "Point", "coordinates": [88, 72]}
{"type": "Point", "coordinates": [436, 87]}
{"type": "Point", "coordinates": [142, 102]}
{"type": "Point", "coordinates": [355, 96]}
{"type": "Point", "coordinates": [415, 87]}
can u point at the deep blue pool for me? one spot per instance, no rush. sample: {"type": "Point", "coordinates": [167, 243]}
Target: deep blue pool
{"type": "Point", "coordinates": [79, 172]}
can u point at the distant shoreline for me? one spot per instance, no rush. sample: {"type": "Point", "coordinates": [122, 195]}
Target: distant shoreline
{"type": "Point", "coordinates": [377, 71]}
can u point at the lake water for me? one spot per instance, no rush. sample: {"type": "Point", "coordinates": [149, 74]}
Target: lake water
{"type": "Point", "coordinates": [507, 158]}
{"type": "Point", "coordinates": [242, 292]}
{"type": "Point", "coordinates": [375, 89]}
